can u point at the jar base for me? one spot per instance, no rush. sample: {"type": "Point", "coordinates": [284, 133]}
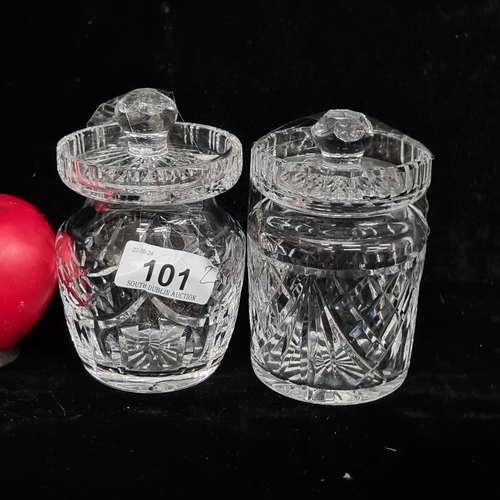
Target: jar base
{"type": "Point", "coordinates": [327, 397]}
{"type": "Point", "coordinates": [150, 384]}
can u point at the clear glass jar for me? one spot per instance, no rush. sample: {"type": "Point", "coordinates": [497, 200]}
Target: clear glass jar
{"type": "Point", "coordinates": [150, 269]}
{"type": "Point", "coordinates": [337, 234]}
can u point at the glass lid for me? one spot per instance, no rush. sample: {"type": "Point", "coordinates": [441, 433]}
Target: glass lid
{"type": "Point", "coordinates": [340, 164]}
{"type": "Point", "coordinates": [136, 152]}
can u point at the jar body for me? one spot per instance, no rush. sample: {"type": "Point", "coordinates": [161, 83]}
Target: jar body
{"type": "Point", "coordinates": [137, 339]}
{"type": "Point", "coordinates": [333, 301]}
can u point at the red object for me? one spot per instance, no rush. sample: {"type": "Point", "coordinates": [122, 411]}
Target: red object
{"type": "Point", "coordinates": [28, 274]}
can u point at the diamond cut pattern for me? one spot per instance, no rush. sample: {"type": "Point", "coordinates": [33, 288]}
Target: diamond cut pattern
{"type": "Point", "coordinates": [335, 332]}
{"type": "Point", "coordinates": [126, 329]}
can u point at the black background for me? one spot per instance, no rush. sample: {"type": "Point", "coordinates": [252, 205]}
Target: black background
{"type": "Point", "coordinates": [429, 69]}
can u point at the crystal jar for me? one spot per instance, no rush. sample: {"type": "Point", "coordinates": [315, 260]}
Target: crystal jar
{"type": "Point", "coordinates": [151, 268]}
{"type": "Point", "coordinates": [337, 235]}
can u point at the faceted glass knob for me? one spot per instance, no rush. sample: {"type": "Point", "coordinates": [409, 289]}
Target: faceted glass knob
{"type": "Point", "coordinates": [146, 116]}
{"type": "Point", "coordinates": [146, 111]}
{"type": "Point", "coordinates": [342, 136]}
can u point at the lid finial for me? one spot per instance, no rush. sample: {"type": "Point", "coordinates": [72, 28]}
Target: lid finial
{"type": "Point", "coordinates": [146, 116]}
{"type": "Point", "coordinates": [342, 136]}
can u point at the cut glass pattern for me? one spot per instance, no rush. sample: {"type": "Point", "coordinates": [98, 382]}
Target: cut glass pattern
{"type": "Point", "coordinates": [337, 332]}
{"type": "Point", "coordinates": [150, 179]}
{"type": "Point", "coordinates": [336, 235]}
{"type": "Point", "coordinates": [332, 314]}
{"type": "Point", "coordinates": [288, 167]}
{"type": "Point", "coordinates": [131, 331]}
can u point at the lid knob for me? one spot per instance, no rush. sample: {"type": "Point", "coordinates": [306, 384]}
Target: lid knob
{"type": "Point", "coordinates": [146, 116]}
{"type": "Point", "coordinates": [342, 136]}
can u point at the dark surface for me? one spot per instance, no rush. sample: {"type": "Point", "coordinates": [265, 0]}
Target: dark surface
{"type": "Point", "coordinates": [430, 69]}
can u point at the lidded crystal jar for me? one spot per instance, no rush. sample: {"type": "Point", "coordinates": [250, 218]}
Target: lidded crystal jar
{"type": "Point", "coordinates": [337, 234]}
{"type": "Point", "coordinates": [150, 269]}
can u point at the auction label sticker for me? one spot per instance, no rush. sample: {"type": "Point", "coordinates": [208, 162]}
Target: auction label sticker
{"type": "Point", "coordinates": [162, 271]}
